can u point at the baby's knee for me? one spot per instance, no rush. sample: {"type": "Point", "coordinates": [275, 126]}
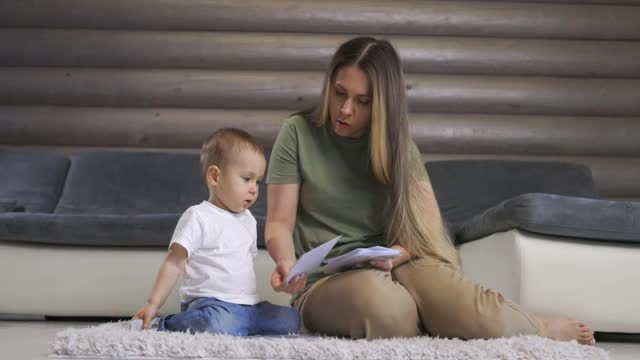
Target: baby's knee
{"type": "Point", "coordinates": [222, 322]}
{"type": "Point", "coordinates": [292, 317]}
{"type": "Point", "coordinates": [277, 319]}
{"type": "Point", "coordinates": [289, 321]}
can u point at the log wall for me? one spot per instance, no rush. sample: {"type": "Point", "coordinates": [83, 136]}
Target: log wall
{"type": "Point", "coordinates": [544, 80]}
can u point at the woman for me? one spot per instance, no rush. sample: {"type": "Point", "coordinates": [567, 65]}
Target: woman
{"type": "Point", "coordinates": [350, 167]}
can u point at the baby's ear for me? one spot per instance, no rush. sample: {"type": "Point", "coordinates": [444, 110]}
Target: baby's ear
{"type": "Point", "coordinates": [213, 175]}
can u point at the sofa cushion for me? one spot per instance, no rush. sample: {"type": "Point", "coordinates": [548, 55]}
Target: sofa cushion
{"type": "Point", "coordinates": [7, 205]}
{"type": "Point", "coordinates": [10, 206]}
{"type": "Point", "coordinates": [142, 230]}
{"type": "Point", "coordinates": [126, 182]}
{"type": "Point", "coordinates": [558, 215]}
{"type": "Point", "coordinates": [146, 230]}
{"type": "Point", "coordinates": [33, 179]}
{"type": "Point", "coordinates": [466, 188]}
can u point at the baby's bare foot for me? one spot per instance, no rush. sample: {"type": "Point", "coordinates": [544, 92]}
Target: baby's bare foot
{"type": "Point", "coordinates": [566, 329]}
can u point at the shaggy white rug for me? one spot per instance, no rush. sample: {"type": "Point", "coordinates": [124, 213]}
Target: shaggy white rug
{"type": "Point", "coordinates": [122, 340]}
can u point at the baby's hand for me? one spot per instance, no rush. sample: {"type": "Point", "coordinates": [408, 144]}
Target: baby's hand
{"type": "Point", "coordinates": [282, 270]}
{"type": "Point", "coordinates": [147, 313]}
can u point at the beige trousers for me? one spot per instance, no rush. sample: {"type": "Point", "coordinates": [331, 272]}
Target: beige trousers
{"type": "Point", "coordinates": [420, 295]}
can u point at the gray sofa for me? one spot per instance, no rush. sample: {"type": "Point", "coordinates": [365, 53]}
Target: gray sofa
{"type": "Point", "coordinates": [84, 235]}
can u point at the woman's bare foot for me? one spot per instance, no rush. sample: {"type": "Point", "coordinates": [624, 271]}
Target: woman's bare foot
{"type": "Point", "coordinates": [566, 329]}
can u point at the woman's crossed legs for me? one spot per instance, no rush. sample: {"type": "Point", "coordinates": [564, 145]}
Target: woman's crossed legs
{"type": "Point", "coordinates": [453, 306]}
{"type": "Point", "coordinates": [421, 295]}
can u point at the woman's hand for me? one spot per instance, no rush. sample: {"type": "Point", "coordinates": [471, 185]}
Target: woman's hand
{"type": "Point", "coordinates": [280, 273]}
{"type": "Point", "coordinates": [386, 264]}
{"type": "Point", "coordinates": [383, 264]}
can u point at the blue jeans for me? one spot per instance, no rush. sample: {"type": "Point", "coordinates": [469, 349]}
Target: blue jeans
{"type": "Point", "coordinates": [220, 317]}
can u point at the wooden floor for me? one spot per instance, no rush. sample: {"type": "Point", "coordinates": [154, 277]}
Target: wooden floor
{"type": "Point", "coordinates": [27, 340]}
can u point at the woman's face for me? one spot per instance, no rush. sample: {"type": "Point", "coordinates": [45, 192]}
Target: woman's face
{"type": "Point", "coordinates": [350, 102]}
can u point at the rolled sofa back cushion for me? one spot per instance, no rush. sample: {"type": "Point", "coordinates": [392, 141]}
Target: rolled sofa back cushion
{"type": "Point", "coordinates": [466, 188]}
{"type": "Point", "coordinates": [32, 179]}
{"type": "Point", "coordinates": [10, 206]}
{"type": "Point", "coordinates": [130, 182]}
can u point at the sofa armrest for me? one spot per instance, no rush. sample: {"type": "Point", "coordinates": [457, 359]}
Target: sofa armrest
{"type": "Point", "coordinates": [557, 215]}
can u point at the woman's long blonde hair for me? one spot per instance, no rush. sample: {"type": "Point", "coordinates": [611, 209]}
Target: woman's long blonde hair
{"type": "Point", "coordinates": [410, 223]}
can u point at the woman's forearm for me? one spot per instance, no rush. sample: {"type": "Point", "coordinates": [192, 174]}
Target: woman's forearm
{"type": "Point", "coordinates": [279, 242]}
{"type": "Point", "coordinates": [282, 205]}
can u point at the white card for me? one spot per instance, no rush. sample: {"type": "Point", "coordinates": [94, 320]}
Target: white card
{"type": "Point", "coordinates": [346, 261]}
{"type": "Point", "coordinates": [312, 258]}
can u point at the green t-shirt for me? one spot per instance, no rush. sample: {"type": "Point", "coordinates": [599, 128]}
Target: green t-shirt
{"type": "Point", "coordinates": [339, 195]}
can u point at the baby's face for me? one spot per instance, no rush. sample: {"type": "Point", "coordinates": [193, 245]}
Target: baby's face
{"type": "Point", "coordinates": [237, 187]}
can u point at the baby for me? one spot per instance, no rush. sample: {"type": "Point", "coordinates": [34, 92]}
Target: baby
{"type": "Point", "coordinates": [213, 247]}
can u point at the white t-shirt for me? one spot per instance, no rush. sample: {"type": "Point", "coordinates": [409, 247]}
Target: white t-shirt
{"type": "Point", "coordinates": [221, 247]}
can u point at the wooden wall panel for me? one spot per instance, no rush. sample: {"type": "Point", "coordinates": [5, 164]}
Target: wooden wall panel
{"type": "Point", "coordinates": [543, 79]}
{"type": "Point", "coordinates": [417, 17]}
{"type": "Point", "coordinates": [127, 127]}
{"type": "Point", "coordinates": [433, 133]}
{"type": "Point", "coordinates": [522, 134]}
{"type": "Point", "coordinates": [296, 90]}
{"type": "Point", "coordinates": [596, 2]}
{"type": "Point", "coordinates": [312, 52]}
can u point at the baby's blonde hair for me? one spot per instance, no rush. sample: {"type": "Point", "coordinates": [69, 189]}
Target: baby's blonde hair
{"type": "Point", "coordinates": [215, 149]}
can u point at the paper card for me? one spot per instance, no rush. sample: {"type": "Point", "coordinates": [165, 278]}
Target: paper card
{"type": "Point", "coordinates": [312, 259]}
{"type": "Point", "coordinates": [346, 261]}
